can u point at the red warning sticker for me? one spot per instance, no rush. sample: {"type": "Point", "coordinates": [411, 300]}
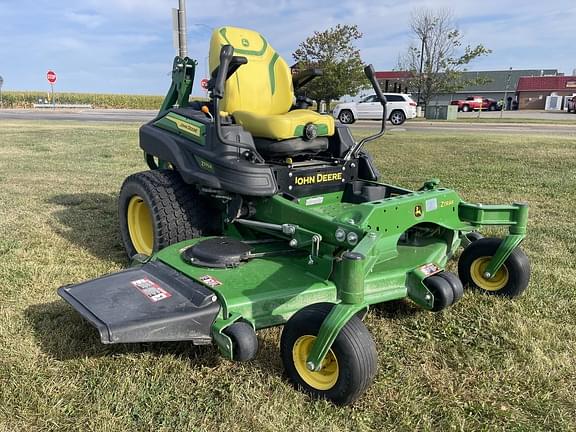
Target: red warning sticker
{"type": "Point", "coordinates": [151, 290]}
{"type": "Point", "coordinates": [429, 269]}
{"type": "Point", "coordinates": [210, 281]}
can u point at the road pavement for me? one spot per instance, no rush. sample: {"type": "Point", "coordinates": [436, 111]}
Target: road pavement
{"type": "Point", "coordinates": [141, 116]}
{"type": "Point", "coordinates": [475, 128]}
{"type": "Point", "coordinates": [80, 115]}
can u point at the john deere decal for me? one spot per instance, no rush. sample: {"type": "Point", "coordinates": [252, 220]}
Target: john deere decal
{"type": "Point", "coordinates": [318, 178]}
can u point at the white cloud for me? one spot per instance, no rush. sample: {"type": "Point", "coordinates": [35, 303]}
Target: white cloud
{"type": "Point", "coordinates": [88, 20]}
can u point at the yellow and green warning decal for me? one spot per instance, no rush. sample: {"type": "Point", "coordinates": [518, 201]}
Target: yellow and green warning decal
{"type": "Point", "coordinates": [183, 126]}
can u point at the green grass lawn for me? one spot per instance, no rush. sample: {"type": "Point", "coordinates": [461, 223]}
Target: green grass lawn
{"type": "Point", "coordinates": [485, 364]}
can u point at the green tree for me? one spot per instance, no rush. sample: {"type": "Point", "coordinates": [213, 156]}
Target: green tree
{"type": "Point", "coordinates": [333, 52]}
{"type": "Point", "coordinates": [439, 53]}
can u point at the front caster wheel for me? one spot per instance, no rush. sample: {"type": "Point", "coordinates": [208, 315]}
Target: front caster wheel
{"type": "Point", "coordinates": [455, 284]}
{"type": "Point", "coordinates": [442, 291]}
{"type": "Point", "coordinates": [349, 367]}
{"type": "Point", "coordinates": [244, 341]}
{"type": "Point", "coordinates": [510, 280]}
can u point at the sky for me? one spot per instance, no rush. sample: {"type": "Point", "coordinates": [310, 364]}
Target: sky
{"type": "Point", "coordinates": [125, 46]}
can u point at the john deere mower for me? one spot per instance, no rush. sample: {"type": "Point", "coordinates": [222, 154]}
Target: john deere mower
{"type": "Point", "coordinates": [257, 211]}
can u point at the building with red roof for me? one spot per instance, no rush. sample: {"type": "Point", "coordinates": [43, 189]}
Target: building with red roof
{"type": "Point", "coordinates": [532, 91]}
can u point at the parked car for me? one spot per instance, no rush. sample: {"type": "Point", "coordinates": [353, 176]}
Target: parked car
{"type": "Point", "coordinates": [400, 106]}
{"type": "Point", "coordinates": [473, 103]}
{"type": "Point", "coordinates": [572, 104]}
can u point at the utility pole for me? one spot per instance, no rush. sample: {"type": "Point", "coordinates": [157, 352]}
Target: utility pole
{"type": "Point", "coordinates": [179, 28]}
{"type": "Point", "coordinates": [508, 78]}
{"type": "Point", "coordinates": [421, 65]}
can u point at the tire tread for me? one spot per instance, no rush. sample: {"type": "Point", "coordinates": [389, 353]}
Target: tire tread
{"type": "Point", "coordinates": [178, 211]}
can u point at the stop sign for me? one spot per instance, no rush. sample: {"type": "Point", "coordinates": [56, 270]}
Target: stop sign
{"type": "Point", "coordinates": [51, 76]}
{"type": "Point", "coordinates": [204, 83]}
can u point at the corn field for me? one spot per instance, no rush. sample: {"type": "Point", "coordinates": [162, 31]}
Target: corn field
{"type": "Point", "coordinates": [26, 99]}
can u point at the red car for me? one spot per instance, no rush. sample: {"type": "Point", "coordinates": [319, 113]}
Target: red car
{"type": "Point", "coordinates": [572, 104]}
{"type": "Point", "coordinates": [472, 103]}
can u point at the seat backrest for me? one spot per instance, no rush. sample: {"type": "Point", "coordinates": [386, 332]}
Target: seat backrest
{"type": "Point", "coordinates": [264, 84]}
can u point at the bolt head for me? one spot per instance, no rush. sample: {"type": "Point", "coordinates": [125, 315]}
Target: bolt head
{"type": "Point", "coordinates": [293, 243]}
{"type": "Point", "coordinates": [487, 275]}
{"type": "Point", "coordinates": [428, 297]}
{"type": "Point", "coordinates": [288, 229]}
{"type": "Point", "coordinates": [310, 366]}
{"type": "Point", "coordinates": [289, 187]}
{"type": "Point", "coordinates": [352, 238]}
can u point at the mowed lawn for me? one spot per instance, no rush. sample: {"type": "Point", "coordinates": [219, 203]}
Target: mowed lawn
{"type": "Point", "coordinates": [485, 364]}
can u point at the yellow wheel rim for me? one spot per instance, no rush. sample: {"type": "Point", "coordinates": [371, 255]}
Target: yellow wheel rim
{"type": "Point", "coordinates": [477, 270]}
{"type": "Point", "coordinates": [140, 225]}
{"type": "Point", "coordinates": [326, 377]}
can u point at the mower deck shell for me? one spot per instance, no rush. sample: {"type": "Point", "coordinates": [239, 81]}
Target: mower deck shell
{"type": "Point", "coordinates": [268, 291]}
{"type": "Point", "coordinates": [150, 303]}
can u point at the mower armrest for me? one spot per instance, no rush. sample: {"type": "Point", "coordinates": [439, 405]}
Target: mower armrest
{"type": "Point", "coordinates": [300, 79]}
{"type": "Point", "coordinates": [235, 63]}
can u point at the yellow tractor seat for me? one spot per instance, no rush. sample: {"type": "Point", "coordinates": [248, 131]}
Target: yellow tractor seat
{"type": "Point", "coordinates": [260, 94]}
{"type": "Point", "coordinates": [284, 126]}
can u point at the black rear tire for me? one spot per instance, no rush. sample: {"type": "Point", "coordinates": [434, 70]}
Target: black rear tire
{"type": "Point", "coordinates": [349, 367]}
{"type": "Point", "coordinates": [170, 210]}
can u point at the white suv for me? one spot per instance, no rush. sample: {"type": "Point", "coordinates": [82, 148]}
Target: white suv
{"type": "Point", "coordinates": [399, 106]}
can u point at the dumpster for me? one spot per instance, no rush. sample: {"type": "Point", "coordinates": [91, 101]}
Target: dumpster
{"type": "Point", "coordinates": [442, 112]}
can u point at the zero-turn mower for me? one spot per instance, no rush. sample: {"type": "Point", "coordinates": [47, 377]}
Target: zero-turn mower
{"type": "Point", "coordinates": [257, 211]}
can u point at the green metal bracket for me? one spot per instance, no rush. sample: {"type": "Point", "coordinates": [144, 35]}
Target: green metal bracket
{"type": "Point", "coordinates": [303, 237]}
{"type": "Point", "coordinates": [350, 278]}
{"type": "Point", "coordinates": [502, 253]}
{"type": "Point", "coordinates": [183, 71]}
{"type": "Point", "coordinates": [333, 323]}
{"type": "Point", "coordinates": [223, 342]}
{"type": "Point", "coordinates": [515, 215]}
{"type": "Point", "coordinates": [417, 291]}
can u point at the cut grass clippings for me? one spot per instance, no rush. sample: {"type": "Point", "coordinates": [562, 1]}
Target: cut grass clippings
{"type": "Point", "coordinates": [485, 364]}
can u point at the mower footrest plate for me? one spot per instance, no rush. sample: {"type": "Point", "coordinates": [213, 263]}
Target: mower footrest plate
{"type": "Point", "coordinates": [150, 303]}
